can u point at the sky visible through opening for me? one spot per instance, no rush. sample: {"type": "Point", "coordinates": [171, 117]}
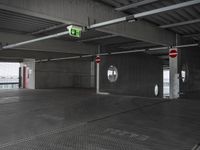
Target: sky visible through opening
{"type": "Point", "coordinates": [166, 83]}
{"type": "Point", "coordinates": [166, 74]}
{"type": "Point", "coordinates": [8, 70]}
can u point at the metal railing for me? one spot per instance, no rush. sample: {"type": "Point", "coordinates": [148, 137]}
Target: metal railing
{"type": "Point", "coordinates": [9, 85]}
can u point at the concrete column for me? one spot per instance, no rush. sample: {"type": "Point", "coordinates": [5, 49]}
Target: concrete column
{"type": "Point", "coordinates": [30, 65]}
{"type": "Point", "coordinates": [92, 74]}
{"type": "Point", "coordinates": [174, 78]}
{"type": "Point", "coordinates": [174, 74]}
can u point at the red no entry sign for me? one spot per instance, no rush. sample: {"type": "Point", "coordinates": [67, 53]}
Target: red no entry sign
{"type": "Point", "coordinates": [173, 53]}
{"type": "Point", "coordinates": [98, 59]}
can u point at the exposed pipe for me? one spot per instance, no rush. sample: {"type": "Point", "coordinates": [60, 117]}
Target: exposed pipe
{"type": "Point", "coordinates": [111, 22]}
{"type": "Point", "coordinates": [187, 45]}
{"type": "Point", "coordinates": [35, 40]}
{"type": "Point", "coordinates": [117, 53]}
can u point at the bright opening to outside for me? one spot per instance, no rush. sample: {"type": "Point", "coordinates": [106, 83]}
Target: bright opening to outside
{"type": "Point", "coordinates": [166, 83]}
{"type": "Point", "coordinates": [9, 75]}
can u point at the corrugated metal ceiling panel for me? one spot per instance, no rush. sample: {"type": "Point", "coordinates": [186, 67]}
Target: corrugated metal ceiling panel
{"type": "Point", "coordinates": [16, 22]}
{"type": "Point", "coordinates": [171, 17]}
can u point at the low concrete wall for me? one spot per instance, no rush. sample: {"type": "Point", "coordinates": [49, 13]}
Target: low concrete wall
{"type": "Point", "coordinates": [71, 73]}
{"type": "Point", "coordinates": [137, 75]}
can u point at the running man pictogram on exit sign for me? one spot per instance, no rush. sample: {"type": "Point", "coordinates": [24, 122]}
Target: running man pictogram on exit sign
{"type": "Point", "coordinates": [75, 31]}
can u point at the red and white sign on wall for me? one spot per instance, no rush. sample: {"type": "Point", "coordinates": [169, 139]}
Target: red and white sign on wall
{"type": "Point", "coordinates": [173, 52]}
{"type": "Point", "coordinates": [98, 59]}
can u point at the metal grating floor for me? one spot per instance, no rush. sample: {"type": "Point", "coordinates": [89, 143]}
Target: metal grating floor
{"type": "Point", "coordinates": [68, 121]}
{"type": "Point", "coordinates": [85, 137]}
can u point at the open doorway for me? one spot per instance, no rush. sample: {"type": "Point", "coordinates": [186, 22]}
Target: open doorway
{"type": "Point", "coordinates": [9, 75]}
{"type": "Point", "coordinates": [166, 83]}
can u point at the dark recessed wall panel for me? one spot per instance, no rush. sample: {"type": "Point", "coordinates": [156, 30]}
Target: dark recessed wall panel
{"type": "Point", "coordinates": [137, 75]}
{"type": "Point", "coordinates": [190, 61]}
{"type": "Point", "coordinates": [64, 74]}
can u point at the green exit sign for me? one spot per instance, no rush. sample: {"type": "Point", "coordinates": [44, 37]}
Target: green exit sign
{"type": "Point", "coordinates": [74, 31]}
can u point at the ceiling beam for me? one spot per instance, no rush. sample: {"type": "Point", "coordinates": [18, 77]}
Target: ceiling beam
{"type": "Point", "coordinates": [130, 45]}
{"type": "Point", "coordinates": [13, 53]}
{"type": "Point", "coordinates": [180, 23]}
{"type": "Point", "coordinates": [51, 45]}
{"type": "Point", "coordinates": [49, 29]}
{"type": "Point", "coordinates": [167, 9]}
{"type": "Point", "coordinates": [10, 59]}
{"type": "Point", "coordinates": [191, 35]}
{"type": "Point", "coordinates": [136, 45]}
{"type": "Point", "coordinates": [135, 5]}
{"type": "Point", "coordinates": [98, 38]}
{"type": "Point", "coordinates": [87, 13]}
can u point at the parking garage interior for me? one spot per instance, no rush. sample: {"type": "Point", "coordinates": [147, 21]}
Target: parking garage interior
{"type": "Point", "coordinates": [100, 75]}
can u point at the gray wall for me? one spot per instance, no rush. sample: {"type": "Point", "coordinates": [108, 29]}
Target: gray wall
{"type": "Point", "coordinates": [71, 73]}
{"type": "Point", "coordinates": [190, 57]}
{"type": "Point", "coordinates": [30, 71]}
{"type": "Point", "coordinates": [138, 74]}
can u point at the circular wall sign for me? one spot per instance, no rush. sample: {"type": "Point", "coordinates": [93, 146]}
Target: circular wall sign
{"type": "Point", "coordinates": [98, 59]}
{"type": "Point", "coordinates": [156, 90]}
{"type": "Point", "coordinates": [112, 74]}
{"type": "Point", "coordinates": [173, 53]}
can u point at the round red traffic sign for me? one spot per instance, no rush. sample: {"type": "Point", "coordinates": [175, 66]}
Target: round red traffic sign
{"type": "Point", "coordinates": [173, 53]}
{"type": "Point", "coordinates": [98, 59]}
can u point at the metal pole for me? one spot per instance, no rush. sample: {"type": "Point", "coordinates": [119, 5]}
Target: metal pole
{"type": "Point", "coordinates": [187, 45]}
{"type": "Point", "coordinates": [98, 72]}
{"type": "Point", "coordinates": [111, 22]}
{"type": "Point", "coordinates": [35, 40]}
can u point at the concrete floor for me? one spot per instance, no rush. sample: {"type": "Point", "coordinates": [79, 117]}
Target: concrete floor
{"type": "Point", "coordinates": [78, 119]}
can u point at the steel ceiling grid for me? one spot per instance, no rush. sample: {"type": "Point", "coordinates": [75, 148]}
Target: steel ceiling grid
{"type": "Point", "coordinates": [171, 16]}
{"type": "Point", "coordinates": [175, 16]}
{"type": "Point", "coordinates": [22, 23]}
{"type": "Point", "coordinates": [116, 3]}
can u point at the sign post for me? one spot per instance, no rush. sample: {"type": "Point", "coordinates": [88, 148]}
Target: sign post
{"type": "Point", "coordinates": [98, 60]}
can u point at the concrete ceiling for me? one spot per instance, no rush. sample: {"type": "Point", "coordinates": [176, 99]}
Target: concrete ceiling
{"type": "Point", "coordinates": [22, 20]}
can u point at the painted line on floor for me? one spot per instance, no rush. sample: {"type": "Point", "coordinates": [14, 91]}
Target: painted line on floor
{"type": "Point", "coordinates": [126, 111]}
